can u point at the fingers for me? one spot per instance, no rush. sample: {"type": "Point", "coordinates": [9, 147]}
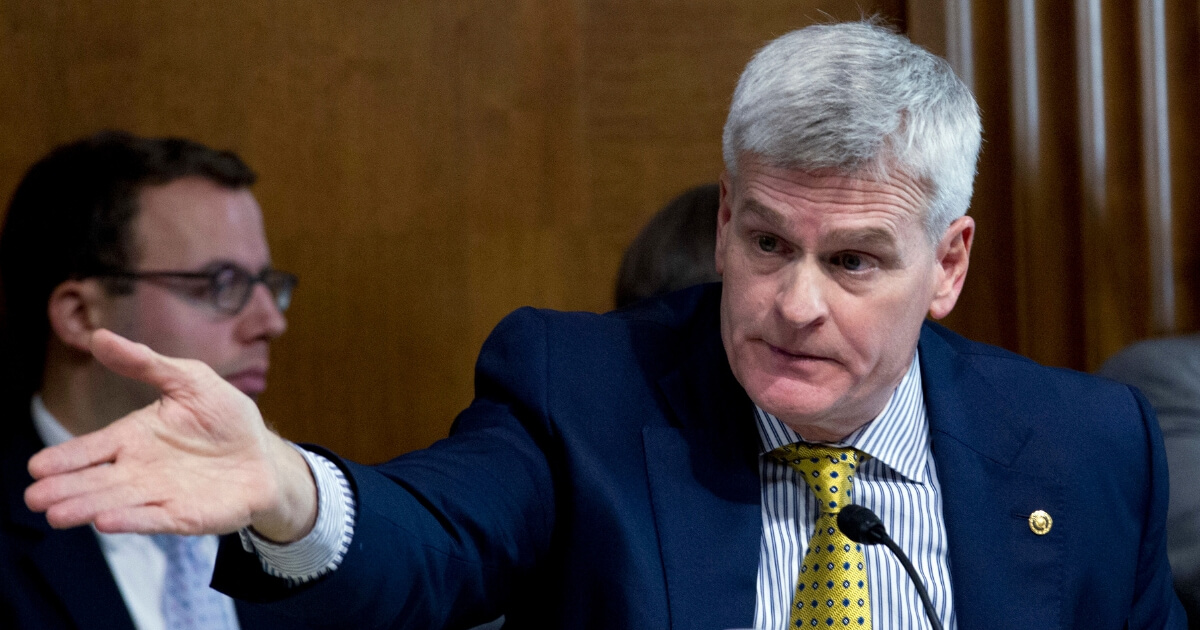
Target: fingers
{"type": "Point", "coordinates": [77, 498]}
{"type": "Point", "coordinates": [91, 449]}
{"type": "Point", "coordinates": [138, 361]}
{"type": "Point", "coordinates": [115, 498]}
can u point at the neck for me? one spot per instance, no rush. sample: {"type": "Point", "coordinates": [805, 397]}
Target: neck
{"type": "Point", "coordinates": [830, 428]}
{"type": "Point", "coordinates": [828, 435]}
{"type": "Point", "coordinates": [83, 395]}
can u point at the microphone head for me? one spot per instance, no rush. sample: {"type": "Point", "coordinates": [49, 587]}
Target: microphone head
{"type": "Point", "coordinates": [861, 525]}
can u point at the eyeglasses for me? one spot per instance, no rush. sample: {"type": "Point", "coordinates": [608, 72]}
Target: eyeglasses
{"type": "Point", "coordinates": [227, 287]}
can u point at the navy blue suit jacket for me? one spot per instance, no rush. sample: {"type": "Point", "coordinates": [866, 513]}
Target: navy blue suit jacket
{"type": "Point", "coordinates": [605, 476]}
{"type": "Point", "coordinates": [58, 579]}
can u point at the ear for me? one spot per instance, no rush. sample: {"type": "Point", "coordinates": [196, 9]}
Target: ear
{"type": "Point", "coordinates": [75, 311]}
{"type": "Point", "coordinates": [953, 257]}
{"type": "Point", "coordinates": [724, 214]}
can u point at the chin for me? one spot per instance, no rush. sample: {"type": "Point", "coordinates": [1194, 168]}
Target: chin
{"type": "Point", "coordinates": [253, 391]}
{"type": "Point", "coordinates": [798, 416]}
{"type": "Point", "coordinates": [793, 401]}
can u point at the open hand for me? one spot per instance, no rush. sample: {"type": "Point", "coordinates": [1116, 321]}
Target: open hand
{"type": "Point", "coordinates": [197, 461]}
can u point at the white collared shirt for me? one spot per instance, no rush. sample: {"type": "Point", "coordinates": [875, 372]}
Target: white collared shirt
{"type": "Point", "coordinates": [138, 565]}
{"type": "Point", "coordinates": [898, 482]}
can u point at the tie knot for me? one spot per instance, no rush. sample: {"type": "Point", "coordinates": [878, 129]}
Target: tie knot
{"type": "Point", "coordinates": [828, 471]}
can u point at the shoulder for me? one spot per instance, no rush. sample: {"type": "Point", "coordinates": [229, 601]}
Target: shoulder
{"type": "Point", "coordinates": [18, 442]}
{"type": "Point", "coordinates": [1051, 398]}
{"type": "Point", "coordinates": [532, 352]}
{"type": "Point", "coordinates": [1162, 358]}
{"type": "Point", "coordinates": [670, 311]}
{"type": "Point", "coordinates": [1091, 434]}
{"type": "Point", "coordinates": [1167, 371]}
{"type": "Point", "coordinates": [999, 364]}
{"type": "Point", "coordinates": [658, 324]}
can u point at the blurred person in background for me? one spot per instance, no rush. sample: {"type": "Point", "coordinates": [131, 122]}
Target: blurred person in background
{"type": "Point", "coordinates": [674, 250]}
{"type": "Point", "coordinates": [160, 239]}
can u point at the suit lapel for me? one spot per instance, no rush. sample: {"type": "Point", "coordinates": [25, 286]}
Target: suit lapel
{"type": "Point", "coordinates": [705, 488]}
{"type": "Point", "coordinates": [72, 564]}
{"type": "Point", "coordinates": [1003, 574]}
{"type": "Point", "coordinates": [68, 561]}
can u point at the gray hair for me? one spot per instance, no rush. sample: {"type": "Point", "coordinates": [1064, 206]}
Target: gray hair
{"type": "Point", "coordinates": [858, 99]}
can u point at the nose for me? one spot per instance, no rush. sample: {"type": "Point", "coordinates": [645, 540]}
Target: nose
{"type": "Point", "coordinates": [801, 300]}
{"type": "Point", "coordinates": [261, 318]}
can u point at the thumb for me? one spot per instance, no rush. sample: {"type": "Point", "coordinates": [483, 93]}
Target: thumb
{"type": "Point", "coordinates": [137, 361]}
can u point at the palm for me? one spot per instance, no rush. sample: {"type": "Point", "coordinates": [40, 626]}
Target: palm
{"type": "Point", "coordinates": [199, 457]}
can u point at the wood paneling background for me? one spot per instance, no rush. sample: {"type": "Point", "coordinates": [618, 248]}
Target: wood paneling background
{"type": "Point", "coordinates": [1087, 200]}
{"type": "Point", "coordinates": [428, 166]}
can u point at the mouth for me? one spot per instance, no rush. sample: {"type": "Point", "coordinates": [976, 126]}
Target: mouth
{"type": "Point", "coordinates": [791, 355]}
{"type": "Point", "coordinates": [251, 382]}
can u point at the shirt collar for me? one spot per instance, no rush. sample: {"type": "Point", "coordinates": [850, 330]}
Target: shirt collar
{"type": "Point", "coordinates": [898, 437]}
{"type": "Point", "coordinates": [47, 426]}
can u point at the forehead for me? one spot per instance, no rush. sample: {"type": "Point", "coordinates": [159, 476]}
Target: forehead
{"type": "Point", "coordinates": [190, 222]}
{"type": "Point", "coordinates": [792, 199]}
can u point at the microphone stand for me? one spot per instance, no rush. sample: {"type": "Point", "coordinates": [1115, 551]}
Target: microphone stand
{"type": "Point", "coordinates": [861, 525]}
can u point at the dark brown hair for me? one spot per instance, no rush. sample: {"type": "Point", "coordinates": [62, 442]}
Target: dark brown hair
{"type": "Point", "coordinates": [674, 250]}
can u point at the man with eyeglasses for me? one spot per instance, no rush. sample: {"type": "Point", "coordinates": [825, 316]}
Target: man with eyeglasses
{"type": "Point", "coordinates": [161, 240]}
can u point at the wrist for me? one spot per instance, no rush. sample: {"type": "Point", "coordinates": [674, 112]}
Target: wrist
{"type": "Point", "coordinates": [294, 512]}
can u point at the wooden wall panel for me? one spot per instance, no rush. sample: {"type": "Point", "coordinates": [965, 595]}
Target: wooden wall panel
{"type": "Point", "coordinates": [429, 166]}
{"type": "Point", "coordinates": [1086, 200]}
{"type": "Point", "coordinates": [426, 166]}
{"type": "Point", "coordinates": [1182, 21]}
{"type": "Point", "coordinates": [986, 310]}
{"type": "Point", "coordinates": [1045, 179]}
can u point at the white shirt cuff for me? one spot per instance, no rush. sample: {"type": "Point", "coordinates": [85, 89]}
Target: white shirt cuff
{"type": "Point", "coordinates": [321, 551]}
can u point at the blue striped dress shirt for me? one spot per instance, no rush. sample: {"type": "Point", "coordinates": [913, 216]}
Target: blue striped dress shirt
{"type": "Point", "coordinates": [898, 482]}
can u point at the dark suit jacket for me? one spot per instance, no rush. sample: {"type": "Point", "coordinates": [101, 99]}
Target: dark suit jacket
{"type": "Point", "coordinates": [58, 579]}
{"type": "Point", "coordinates": [1168, 371]}
{"type": "Point", "coordinates": [606, 477]}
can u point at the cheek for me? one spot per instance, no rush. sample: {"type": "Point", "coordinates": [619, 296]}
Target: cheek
{"type": "Point", "coordinates": [879, 326]}
{"type": "Point", "coordinates": [180, 330]}
{"type": "Point", "coordinates": [741, 317]}
{"type": "Point", "coordinates": [746, 298]}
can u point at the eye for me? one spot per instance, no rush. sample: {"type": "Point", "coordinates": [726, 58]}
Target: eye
{"type": "Point", "coordinates": [198, 290]}
{"type": "Point", "coordinates": [849, 261]}
{"type": "Point", "coordinates": [767, 243]}
{"type": "Point", "coordinates": [225, 277]}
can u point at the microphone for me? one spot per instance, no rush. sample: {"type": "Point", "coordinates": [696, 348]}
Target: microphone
{"type": "Point", "coordinates": [861, 525]}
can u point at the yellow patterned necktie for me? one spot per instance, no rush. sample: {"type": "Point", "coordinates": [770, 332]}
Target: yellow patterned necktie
{"type": "Point", "coordinates": [831, 590]}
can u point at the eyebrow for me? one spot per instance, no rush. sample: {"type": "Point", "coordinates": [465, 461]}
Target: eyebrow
{"type": "Point", "coordinates": [226, 262]}
{"type": "Point", "coordinates": [768, 215]}
{"type": "Point", "coordinates": [865, 238]}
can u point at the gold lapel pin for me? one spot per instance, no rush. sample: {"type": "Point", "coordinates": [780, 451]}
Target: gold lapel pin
{"type": "Point", "coordinates": [1040, 522]}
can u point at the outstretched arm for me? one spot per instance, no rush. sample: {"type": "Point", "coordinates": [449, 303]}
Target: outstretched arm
{"type": "Point", "coordinates": [200, 460]}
